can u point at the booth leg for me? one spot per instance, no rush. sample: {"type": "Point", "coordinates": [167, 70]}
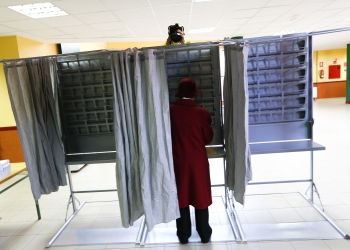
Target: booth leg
{"type": "Point", "coordinates": [64, 225]}
{"type": "Point", "coordinates": [234, 222]}
{"type": "Point", "coordinates": [38, 209]}
{"type": "Point", "coordinates": [141, 229]}
{"type": "Point", "coordinates": [312, 176]}
{"type": "Point", "coordinates": [144, 236]}
{"type": "Point", "coordinates": [345, 235]}
{"type": "Point", "coordinates": [71, 188]}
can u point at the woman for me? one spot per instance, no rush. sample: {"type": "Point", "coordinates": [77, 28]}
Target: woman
{"type": "Point", "coordinates": [191, 131]}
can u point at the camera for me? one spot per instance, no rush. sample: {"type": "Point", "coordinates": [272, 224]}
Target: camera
{"type": "Point", "coordinates": [172, 31]}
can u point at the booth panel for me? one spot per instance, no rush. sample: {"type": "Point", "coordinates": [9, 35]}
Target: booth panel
{"type": "Point", "coordinates": [201, 64]}
{"type": "Point", "coordinates": [86, 106]}
{"type": "Point", "coordinates": [278, 87]}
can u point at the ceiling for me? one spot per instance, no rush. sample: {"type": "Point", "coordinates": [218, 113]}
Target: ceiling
{"type": "Point", "coordinates": [148, 20]}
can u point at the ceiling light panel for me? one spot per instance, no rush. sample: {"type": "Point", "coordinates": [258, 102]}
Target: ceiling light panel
{"type": "Point", "coordinates": [39, 10]}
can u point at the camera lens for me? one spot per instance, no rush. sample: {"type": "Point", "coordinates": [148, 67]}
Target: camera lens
{"type": "Point", "coordinates": [175, 38]}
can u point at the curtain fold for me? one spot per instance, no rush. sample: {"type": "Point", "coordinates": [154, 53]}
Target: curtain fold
{"type": "Point", "coordinates": [236, 101]}
{"type": "Point", "coordinates": [145, 174]}
{"type": "Point", "coordinates": [30, 88]}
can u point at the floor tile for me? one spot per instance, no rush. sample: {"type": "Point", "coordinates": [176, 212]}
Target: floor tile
{"type": "Point", "coordinates": [3, 239]}
{"type": "Point", "coordinates": [17, 242]}
{"type": "Point", "coordinates": [122, 246]}
{"type": "Point", "coordinates": [110, 211]}
{"type": "Point", "coordinates": [297, 201]}
{"type": "Point", "coordinates": [338, 244]}
{"type": "Point", "coordinates": [39, 242]}
{"type": "Point", "coordinates": [4, 204]}
{"type": "Point", "coordinates": [344, 225]}
{"type": "Point", "coordinates": [214, 219]}
{"type": "Point", "coordinates": [338, 212]}
{"type": "Point", "coordinates": [212, 246]}
{"type": "Point", "coordinates": [251, 204]}
{"type": "Point", "coordinates": [51, 227]}
{"type": "Point", "coordinates": [180, 247]}
{"type": "Point", "coordinates": [310, 245]}
{"type": "Point", "coordinates": [328, 200]}
{"type": "Point", "coordinates": [10, 228]}
{"type": "Point", "coordinates": [243, 246]}
{"type": "Point", "coordinates": [110, 222]}
{"type": "Point", "coordinates": [32, 227]}
{"type": "Point", "coordinates": [92, 247]}
{"type": "Point", "coordinates": [80, 223]}
{"type": "Point", "coordinates": [276, 246]}
{"type": "Point", "coordinates": [7, 215]}
{"type": "Point", "coordinates": [285, 215]}
{"type": "Point", "coordinates": [275, 202]}
{"type": "Point", "coordinates": [309, 214]}
{"type": "Point", "coordinates": [258, 216]}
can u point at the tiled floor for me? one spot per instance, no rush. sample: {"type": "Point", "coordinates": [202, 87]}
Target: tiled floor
{"type": "Point", "coordinates": [20, 229]}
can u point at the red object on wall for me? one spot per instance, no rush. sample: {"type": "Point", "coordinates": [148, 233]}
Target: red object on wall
{"type": "Point", "coordinates": [10, 145]}
{"type": "Point", "coordinates": [334, 71]}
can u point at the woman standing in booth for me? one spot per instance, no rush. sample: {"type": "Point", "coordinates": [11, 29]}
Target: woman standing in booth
{"type": "Point", "coordinates": [191, 131]}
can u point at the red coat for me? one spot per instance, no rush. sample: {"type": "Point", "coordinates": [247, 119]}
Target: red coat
{"type": "Point", "coordinates": [191, 131]}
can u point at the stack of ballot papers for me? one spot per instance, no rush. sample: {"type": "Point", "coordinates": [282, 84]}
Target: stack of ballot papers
{"type": "Point", "coordinates": [5, 168]}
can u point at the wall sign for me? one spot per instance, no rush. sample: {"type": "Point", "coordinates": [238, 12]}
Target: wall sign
{"type": "Point", "coordinates": [321, 64]}
{"type": "Point", "coordinates": [335, 61]}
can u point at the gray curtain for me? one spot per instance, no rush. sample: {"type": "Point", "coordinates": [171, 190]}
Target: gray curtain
{"type": "Point", "coordinates": [30, 88]}
{"type": "Point", "coordinates": [236, 101]}
{"type": "Point", "coordinates": [145, 173]}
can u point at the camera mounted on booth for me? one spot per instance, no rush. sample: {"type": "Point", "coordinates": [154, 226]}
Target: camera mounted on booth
{"type": "Point", "coordinates": [174, 35]}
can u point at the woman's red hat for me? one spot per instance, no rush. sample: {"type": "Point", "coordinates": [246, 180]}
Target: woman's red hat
{"type": "Point", "coordinates": [187, 88]}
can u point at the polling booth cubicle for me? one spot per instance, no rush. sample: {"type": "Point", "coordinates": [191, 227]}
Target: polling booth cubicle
{"type": "Point", "coordinates": [275, 80]}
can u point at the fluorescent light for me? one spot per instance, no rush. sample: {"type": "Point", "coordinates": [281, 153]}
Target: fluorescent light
{"type": "Point", "coordinates": [284, 32]}
{"type": "Point", "coordinates": [201, 30]}
{"type": "Point", "coordinates": [39, 10]}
